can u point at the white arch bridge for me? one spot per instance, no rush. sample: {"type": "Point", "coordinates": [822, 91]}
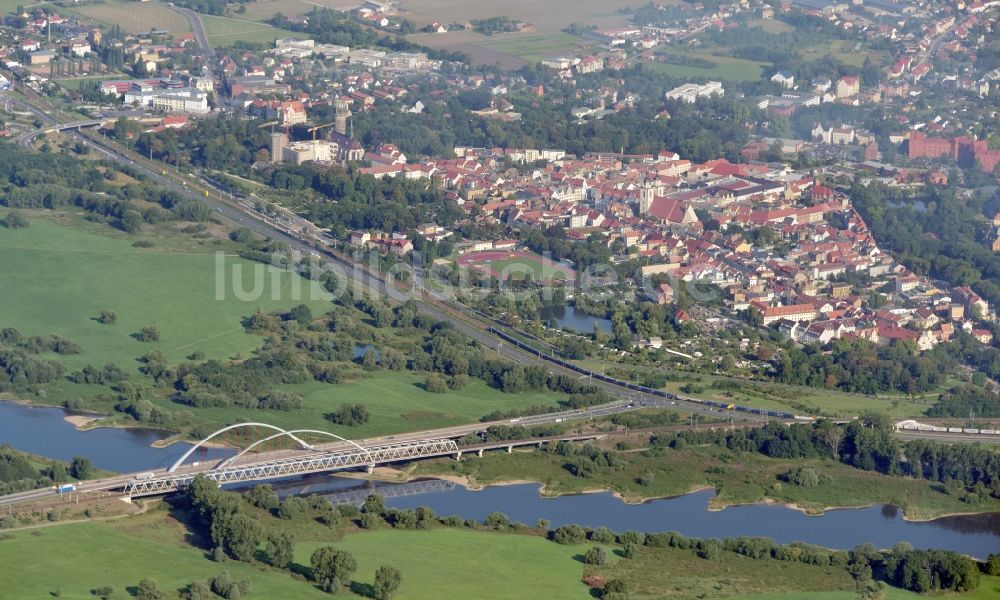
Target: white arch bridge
{"type": "Point", "coordinates": [309, 458]}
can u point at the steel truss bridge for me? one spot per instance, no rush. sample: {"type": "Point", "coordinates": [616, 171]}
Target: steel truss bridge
{"type": "Point", "coordinates": [312, 462]}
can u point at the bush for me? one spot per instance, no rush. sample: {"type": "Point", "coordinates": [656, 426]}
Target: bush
{"type": "Point", "coordinates": [148, 334]}
{"type": "Point", "coordinates": [16, 220]}
{"type": "Point", "coordinates": [802, 476]}
{"type": "Point", "coordinates": [349, 415]}
{"type": "Point", "coordinates": [435, 384]}
{"type": "Point", "coordinates": [569, 534]}
{"type": "Point", "coordinates": [602, 535]}
{"type": "Point", "coordinates": [615, 589]}
{"type": "Point", "coordinates": [595, 556]}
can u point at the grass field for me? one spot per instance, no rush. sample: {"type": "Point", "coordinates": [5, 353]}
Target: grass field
{"type": "Point", "coordinates": [449, 563]}
{"type": "Point", "coordinates": [59, 276]}
{"type": "Point", "coordinates": [744, 479]}
{"type": "Point", "coordinates": [225, 31]}
{"type": "Point", "coordinates": [727, 69]}
{"type": "Point", "coordinates": [137, 17]}
{"type": "Point", "coordinates": [69, 560]}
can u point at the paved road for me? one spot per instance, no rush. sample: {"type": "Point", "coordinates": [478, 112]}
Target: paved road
{"type": "Point", "coordinates": [199, 31]}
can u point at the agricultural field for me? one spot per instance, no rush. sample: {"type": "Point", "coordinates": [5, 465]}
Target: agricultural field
{"type": "Point", "coordinates": [471, 44]}
{"type": "Point", "coordinates": [137, 17]}
{"type": "Point", "coordinates": [517, 49]}
{"type": "Point", "coordinates": [226, 31]}
{"type": "Point", "coordinates": [265, 9]}
{"type": "Point", "coordinates": [533, 46]}
{"type": "Point", "coordinates": [548, 17]}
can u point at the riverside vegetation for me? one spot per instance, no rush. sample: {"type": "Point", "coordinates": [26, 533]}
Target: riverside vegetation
{"type": "Point", "coordinates": [255, 545]}
{"type": "Point", "coordinates": [815, 466]}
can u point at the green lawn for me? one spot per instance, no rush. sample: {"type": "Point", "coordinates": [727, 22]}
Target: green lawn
{"type": "Point", "coordinates": [225, 31]}
{"type": "Point", "coordinates": [450, 563]}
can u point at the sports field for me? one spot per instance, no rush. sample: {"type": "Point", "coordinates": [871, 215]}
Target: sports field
{"type": "Point", "coordinates": [517, 264]}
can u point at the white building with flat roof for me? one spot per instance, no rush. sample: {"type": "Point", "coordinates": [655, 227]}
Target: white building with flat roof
{"type": "Point", "coordinates": [690, 92]}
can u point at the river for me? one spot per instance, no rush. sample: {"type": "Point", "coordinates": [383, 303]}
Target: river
{"type": "Point", "coordinates": [568, 318]}
{"type": "Point", "coordinates": [44, 431]}
{"type": "Point", "coordinates": [883, 525]}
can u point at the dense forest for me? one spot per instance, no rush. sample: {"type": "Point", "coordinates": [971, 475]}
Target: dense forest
{"type": "Point", "coordinates": [863, 367]}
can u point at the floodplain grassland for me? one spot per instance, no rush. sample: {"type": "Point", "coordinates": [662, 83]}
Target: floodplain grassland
{"type": "Point", "coordinates": [60, 272]}
{"type": "Point", "coordinates": [795, 399]}
{"type": "Point", "coordinates": [173, 286]}
{"type": "Point", "coordinates": [68, 560]}
{"type": "Point", "coordinates": [397, 402]}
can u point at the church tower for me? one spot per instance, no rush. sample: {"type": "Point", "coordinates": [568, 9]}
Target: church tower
{"type": "Point", "coordinates": [341, 112]}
